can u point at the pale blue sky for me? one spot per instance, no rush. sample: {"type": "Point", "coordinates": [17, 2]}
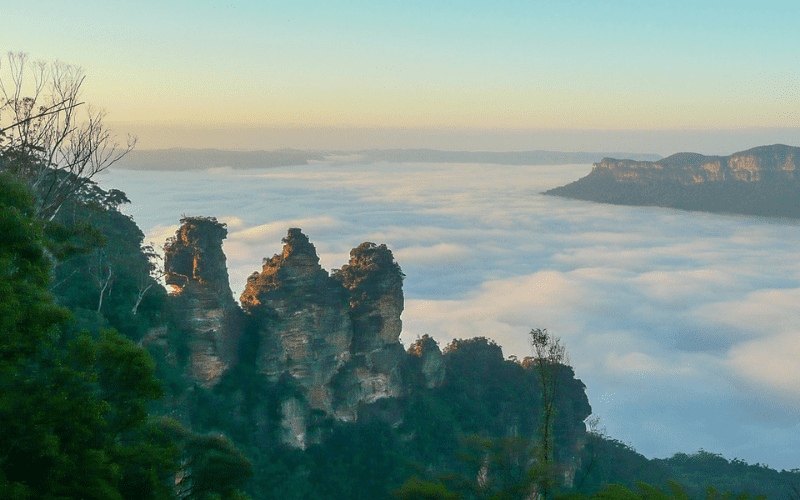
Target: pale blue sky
{"type": "Point", "coordinates": [505, 65]}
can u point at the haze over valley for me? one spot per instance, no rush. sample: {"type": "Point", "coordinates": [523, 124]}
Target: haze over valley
{"type": "Point", "coordinates": [681, 324]}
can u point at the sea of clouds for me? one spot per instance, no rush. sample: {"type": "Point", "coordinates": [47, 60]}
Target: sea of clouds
{"type": "Point", "coordinates": [685, 327]}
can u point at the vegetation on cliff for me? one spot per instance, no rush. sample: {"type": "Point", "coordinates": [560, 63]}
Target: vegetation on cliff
{"type": "Point", "coordinates": [762, 181]}
{"type": "Point", "coordinates": [74, 401]}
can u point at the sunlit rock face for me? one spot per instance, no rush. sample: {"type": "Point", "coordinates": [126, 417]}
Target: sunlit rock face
{"type": "Point", "coordinates": [431, 361]}
{"type": "Point", "coordinates": [338, 336]}
{"type": "Point", "coordinates": [374, 285]}
{"type": "Point", "coordinates": [194, 265]}
{"type": "Point", "coordinates": [761, 181]}
{"type": "Point", "coordinates": [304, 322]}
{"type": "Point", "coordinates": [777, 162]}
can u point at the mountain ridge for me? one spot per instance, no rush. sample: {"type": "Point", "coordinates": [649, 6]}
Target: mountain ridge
{"type": "Point", "coordinates": [760, 181]}
{"type": "Point", "coordinates": [193, 159]}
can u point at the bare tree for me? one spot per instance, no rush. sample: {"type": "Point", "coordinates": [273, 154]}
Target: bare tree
{"type": "Point", "coordinates": [45, 140]}
{"type": "Point", "coordinates": [149, 277]}
{"type": "Point", "coordinates": [103, 274]}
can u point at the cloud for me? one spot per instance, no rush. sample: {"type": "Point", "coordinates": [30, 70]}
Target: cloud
{"type": "Point", "coordinates": [772, 363]}
{"type": "Point", "coordinates": [682, 325]}
{"type": "Point", "coordinates": [440, 254]}
{"type": "Point", "coordinates": [274, 231]}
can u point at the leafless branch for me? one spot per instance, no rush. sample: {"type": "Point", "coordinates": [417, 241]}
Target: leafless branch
{"type": "Point", "coordinates": [44, 140]}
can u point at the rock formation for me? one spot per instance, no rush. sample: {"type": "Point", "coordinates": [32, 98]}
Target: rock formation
{"type": "Point", "coordinates": [430, 359]}
{"type": "Point", "coordinates": [778, 162]}
{"type": "Point", "coordinates": [759, 181]}
{"type": "Point", "coordinates": [333, 340]}
{"type": "Point", "coordinates": [303, 319]}
{"type": "Point", "coordinates": [337, 336]}
{"type": "Point", "coordinates": [194, 265]}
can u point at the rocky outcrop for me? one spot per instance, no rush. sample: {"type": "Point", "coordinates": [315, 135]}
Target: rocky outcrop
{"type": "Point", "coordinates": [194, 265]}
{"type": "Point", "coordinates": [332, 342]}
{"type": "Point", "coordinates": [374, 285]}
{"type": "Point", "coordinates": [303, 319]}
{"type": "Point", "coordinates": [337, 336]}
{"type": "Point", "coordinates": [778, 162]}
{"type": "Point", "coordinates": [431, 361]}
{"type": "Point", "coordinates": [760, 181]}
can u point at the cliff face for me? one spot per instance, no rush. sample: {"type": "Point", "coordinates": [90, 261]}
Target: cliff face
{"type": "Point", "coordinates": [194, 265]}
{"type": "Point", "coordinates": [303, 320]}
{"type": "Point", "coordinates": [338, 337]}
{"type": "Point", "coordinates": [374, 288]}
{"type": "Point", "coordinates": [431, 361]}
{"type": "Point", "coordinates": [760, 181]}
{"type": "Point", "coordinates": [778, 162]}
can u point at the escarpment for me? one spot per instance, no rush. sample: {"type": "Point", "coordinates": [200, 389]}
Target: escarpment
{"type": "Point", "coordinates": [374, 289]}
{"type": "Point", "coordinates": [335, 336]}
{"type": "Point", "coordinates": [194, 265]}
{"type": "Point", "coordinates": [304, 325]}
{"type": "Point", "coordinates": [760, 181]}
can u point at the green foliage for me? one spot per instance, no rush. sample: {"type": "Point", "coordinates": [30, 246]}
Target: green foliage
{"type": "Point", "coordinates": [73, 401]}
{"type": "Point", "coordinates": [698, 470]}
{"type": "Point", "coordinates": [210, 466]}
{"type": "Point", "coordinates": [417, 489]}
{"type": "Point", "coordinates": [101, 264]}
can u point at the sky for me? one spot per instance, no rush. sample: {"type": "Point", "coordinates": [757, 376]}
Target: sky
{"type": "Point", "coordinates": [683, 326]}
{"type": "Point", "coordinates": [455, 75]}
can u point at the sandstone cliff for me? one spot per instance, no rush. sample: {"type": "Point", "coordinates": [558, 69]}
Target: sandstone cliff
{"type": "Point", "coordinates": [194, 265]}
{"type": "Point", "coordinates": [332, 342]}
{"type": "Point", "coordinates": [374, 285]}
{"type": "Point", "coordinates": [759, 181]}
{"type": "Point", "coordinates": [778, 162]}
{"type": "Point", "coordinates": [303, 319]}
{"type": "Point", "coordinates": [337, 336]}
{"type": "Point", "coordinates": [430, 359]}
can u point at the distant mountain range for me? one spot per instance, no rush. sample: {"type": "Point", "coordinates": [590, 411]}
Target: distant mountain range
{"type": "Point", "coordinates": [199, 159]}
{"type": "Point", "coordinates": [763, 181]}
{"type": "Point", "coordinates": [501, 158]}
{"type": "Point", "coordinates": [191, 159]}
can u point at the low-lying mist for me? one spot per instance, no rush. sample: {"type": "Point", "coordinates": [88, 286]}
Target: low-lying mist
{"type": "Point", "coordinates": [683, 326]}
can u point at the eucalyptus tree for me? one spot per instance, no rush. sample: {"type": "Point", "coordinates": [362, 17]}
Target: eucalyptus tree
{"type": "Point", "coordinates": [549, 357]}
{"type": "Point", "coordinates": [49, 138]}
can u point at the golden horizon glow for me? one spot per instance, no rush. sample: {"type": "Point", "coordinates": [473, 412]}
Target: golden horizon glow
{"type": "Point", "coordinates": [423, 65]}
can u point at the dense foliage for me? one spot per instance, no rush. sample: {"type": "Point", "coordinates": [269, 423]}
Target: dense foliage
{"type": "Point", "coordinates": [73, 401]}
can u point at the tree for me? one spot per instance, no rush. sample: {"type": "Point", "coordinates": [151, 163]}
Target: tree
{"type": "Point", "coordinates": [417, 489]}
{"type": "Point", "coordinates": [146, 280]}
{"type": "Point", "coordinates": [44, 139]}
{"type": "Point", "coordinates": [72, 405]}
{"type": "Point", "coordinates": [209, 466]}
{"type": "Point", "coordinates": [549, 355]}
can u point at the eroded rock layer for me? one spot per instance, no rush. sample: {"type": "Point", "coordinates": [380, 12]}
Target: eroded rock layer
{"type": "Point", "coordinates": [304, 322]}
{"type": "Point", "coordinates": [194, 266]}
{"type": "Point", "coordinates": [337, 336]}
{"type": "Point", "coordinates": [760, 181]}
{"type": "Point", "coordinates": [778, 162]}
